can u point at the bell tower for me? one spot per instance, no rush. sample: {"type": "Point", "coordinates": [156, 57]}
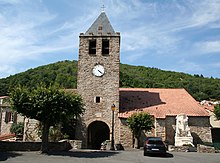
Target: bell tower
{"type": "Point", "coordinates": [98, 82]}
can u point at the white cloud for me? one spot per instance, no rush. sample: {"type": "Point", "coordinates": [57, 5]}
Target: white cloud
{"type": "Point", "coordinates": [30, 29]}
{"type": "Point", "coordinates": [192, 14]}
{"type": "Point", "coordinates": [7, 68]}
{"type": "Point", "coordinates": [208, 47]}
{"type": "Point", "coordinates": [19, 32]}
{"type": "Point", "coordinates": [10, 1]}
{"type": "Point", "coordinates": [207, 12]}
{"type": "Point", "coordinates": [189, 67]}
{"type": "Point", "coordinates": [215, 65]}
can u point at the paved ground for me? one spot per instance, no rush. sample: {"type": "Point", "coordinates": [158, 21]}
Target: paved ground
{"type": "Point", "coordinates": [86, 156]}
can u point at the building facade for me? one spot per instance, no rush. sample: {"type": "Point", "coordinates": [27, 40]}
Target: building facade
{"type": "Point", "coordinates": [98, 84]}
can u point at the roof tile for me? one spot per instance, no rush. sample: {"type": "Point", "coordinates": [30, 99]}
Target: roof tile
{"type": "Point", "coordinates": [101, 26]}
{"type": "Point", "coordinates": [158, 102]}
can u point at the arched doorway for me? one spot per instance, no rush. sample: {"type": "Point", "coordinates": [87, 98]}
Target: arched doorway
{"type": "Point", "coordinates": [98, 132]}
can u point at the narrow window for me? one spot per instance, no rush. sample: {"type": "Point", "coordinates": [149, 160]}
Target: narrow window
{"type": "Point", "coordinates": [105, 47]}
{"type": "Point", "coordinates": [92, 46]}
{"type": "Point", "coordinates": [97, 99]}
{"type": "Point", "coordinates": [9, 117]}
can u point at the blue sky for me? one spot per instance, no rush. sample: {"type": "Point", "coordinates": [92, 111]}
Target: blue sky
{"type": "Point", "coordinates": [175, 35]}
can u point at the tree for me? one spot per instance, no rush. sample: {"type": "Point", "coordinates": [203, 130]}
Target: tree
{"type": "Point", "coordinates": [50, 105]}
{"type": "Point", "coordinates": [217, 111]}
{"type": "Point", "coordinates": [138, 122]}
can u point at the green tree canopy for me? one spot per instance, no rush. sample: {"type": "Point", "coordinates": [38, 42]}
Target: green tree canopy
{"type": "Point", "coordinates": [50, 105]}
{"type": "Point", "coordinates": [138, 122]}
{"type": "Point", "coordinates": [64, 73]}
{"type": "Point", "coordinates": [217, 111]}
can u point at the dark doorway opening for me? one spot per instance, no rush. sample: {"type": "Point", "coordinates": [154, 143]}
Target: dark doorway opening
{"type": "Point", "coordinates": [216, 137]}
{"type": "Point", "coordinates": [98, 132]}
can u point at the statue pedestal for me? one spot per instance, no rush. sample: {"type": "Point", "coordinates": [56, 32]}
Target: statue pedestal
{"type": "Point", "coordinates": [180, 141]}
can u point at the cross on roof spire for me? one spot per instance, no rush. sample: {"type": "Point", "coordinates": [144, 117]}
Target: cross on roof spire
{"type": "Point", "coordinates": [103, 8]}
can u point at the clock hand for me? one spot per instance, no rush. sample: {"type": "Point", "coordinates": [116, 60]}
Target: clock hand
{"type": "Point", "coordinates": [100, 71]}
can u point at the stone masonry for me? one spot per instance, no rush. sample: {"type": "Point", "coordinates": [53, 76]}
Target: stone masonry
{"type": "Point", "coordinates": [5, 126]}
{"type": "Point", "coordinates": [199, 128]}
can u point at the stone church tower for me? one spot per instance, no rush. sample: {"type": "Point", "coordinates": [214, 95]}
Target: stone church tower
{"type": "Point", "coordinates": [98, 82]}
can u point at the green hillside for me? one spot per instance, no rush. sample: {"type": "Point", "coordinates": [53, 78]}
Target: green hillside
{"type": "Point", "coordinates": [64, 73]}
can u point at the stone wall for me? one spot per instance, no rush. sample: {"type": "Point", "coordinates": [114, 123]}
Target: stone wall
{"type": "Point", "coordinates": [199, 128]}
{"type": "Point", "coordinates": [33, 146]}
{"type": "Point", "coordinates": [165, 128]}
{"type": "Point", "coordinates": [205, 149]}
{"type": "Point", "coordinates": [170, 129]}
{"type": "Point", "coordinates": [160, 128]}
{"type": "Point", "coordinates": [31, 129]}
{"type": "Point", "coordinates": [213, 121]}
{"type": "Point", "coordinates": [126, 137]}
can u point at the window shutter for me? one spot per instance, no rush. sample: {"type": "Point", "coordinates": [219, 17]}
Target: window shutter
{"type": "Point", "coordinates": [15, 117]}
{"type": "Point", "coordinates": [7, 116]}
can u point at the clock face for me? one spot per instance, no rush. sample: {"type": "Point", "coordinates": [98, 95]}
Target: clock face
{"type": "Point", "coordinates": [98, 70]}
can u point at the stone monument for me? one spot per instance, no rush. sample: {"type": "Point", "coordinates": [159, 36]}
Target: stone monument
{"type": "Point", "coordinates": [182, 135]}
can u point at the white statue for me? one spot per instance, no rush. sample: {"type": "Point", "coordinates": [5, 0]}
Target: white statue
{"type": "Point", "coordinates": [183, 135]}
{"type": "Point", "coordinates": [182, 128]}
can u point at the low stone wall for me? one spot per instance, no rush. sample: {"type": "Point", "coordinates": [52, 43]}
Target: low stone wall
{"type": "Point", "coordinates": [200, 148]}
{"type": "Point", "coordinates": [33, 146]}
{"type": "Point", "coordinates": [205, 149]}
{"type": "Point", "coordinates": [75, 144]}
{"type": "Point", "coordinates": [178, 148]}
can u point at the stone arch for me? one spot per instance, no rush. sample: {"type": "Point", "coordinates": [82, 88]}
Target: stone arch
{"type": "Point", "coordinates": [98, 131]}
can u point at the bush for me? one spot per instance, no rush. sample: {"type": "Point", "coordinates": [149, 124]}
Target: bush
{"type": "Point", "coordinates": [17, 128]}
{"type": "Point", "coordinates": [217, 111]}
{"type": "Point", "coordinates": [55, 134]}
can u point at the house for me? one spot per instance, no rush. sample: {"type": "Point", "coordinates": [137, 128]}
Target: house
{"type": "Point", "coordinates": [7, 118]}
{"type": "Point", "coordinates": [215, 124]}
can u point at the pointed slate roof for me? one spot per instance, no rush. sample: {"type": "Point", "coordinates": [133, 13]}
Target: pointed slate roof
{"type": "Point", "coordinates": [101, 26]}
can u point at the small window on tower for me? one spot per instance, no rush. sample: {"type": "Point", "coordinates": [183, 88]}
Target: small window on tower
{"type": "Point", "coordinates": [105, 47]}
{"type": "Point", "coordinates": [100, 28]}
{"type": "Point", "coordinates": [92, 46]}
{"type": "Point", "coordinates": [97, 99]}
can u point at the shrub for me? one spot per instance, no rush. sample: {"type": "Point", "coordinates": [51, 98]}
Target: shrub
{"type": "Point", "coordinates": [17, 128]}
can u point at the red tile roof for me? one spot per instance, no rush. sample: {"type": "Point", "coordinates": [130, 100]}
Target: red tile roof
{"type": "Point", "coordinates": [3, 97]}
{"type": "Point", "coordinates": [158, 102]}
{"type": "Point", "coordinates": [209, 105]}
{"type": "Point", "coordinates": [209, 108]}
{"type": "Point", "coordinates": [6, 136]}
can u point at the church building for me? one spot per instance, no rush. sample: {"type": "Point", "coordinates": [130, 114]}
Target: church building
{"type": "Point", "coordinates": [98, 84]}
{"type": "Point", "coordinates": [107, 106]}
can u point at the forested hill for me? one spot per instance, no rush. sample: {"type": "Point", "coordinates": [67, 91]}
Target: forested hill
{"type": "Point", "coordinates": [64, 73]}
